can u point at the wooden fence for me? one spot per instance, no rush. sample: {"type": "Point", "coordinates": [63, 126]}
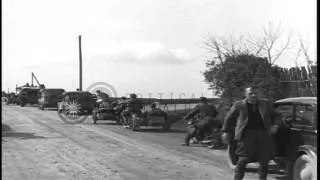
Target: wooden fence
{"type": "Point", "coordinates": [297, 81]}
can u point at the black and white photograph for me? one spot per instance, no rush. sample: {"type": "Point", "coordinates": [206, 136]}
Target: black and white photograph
{"type": "Point", "coordinates": [159, 90]}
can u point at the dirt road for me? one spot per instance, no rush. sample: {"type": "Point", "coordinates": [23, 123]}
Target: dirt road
{"type": "Point", "coordinates": [37, 145]}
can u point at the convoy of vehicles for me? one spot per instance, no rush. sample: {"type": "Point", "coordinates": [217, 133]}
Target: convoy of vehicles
{"type": "Point", "coordinates": [296, 139]}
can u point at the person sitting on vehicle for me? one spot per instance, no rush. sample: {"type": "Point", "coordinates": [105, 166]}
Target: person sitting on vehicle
{"type": "Point", "coordinates": [155, 110]}
{"type": "Point", "coordinates": [206, 116]}
{"type": "Point", "coordinates": [132, 105]}
{"type": "Point", "coordinates": [101, 95]}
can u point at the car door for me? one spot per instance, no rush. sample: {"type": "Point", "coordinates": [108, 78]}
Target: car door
{"type": "Point", "coordinates": [303, 125]}
{"type": "Point", "coordinates": [282, 137]}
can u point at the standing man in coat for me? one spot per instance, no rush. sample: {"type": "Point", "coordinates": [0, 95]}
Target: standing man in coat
{"type": "Point", "coordinates": [255, 122]}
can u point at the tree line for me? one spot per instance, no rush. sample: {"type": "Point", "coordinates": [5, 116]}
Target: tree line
{"type": "Point", "coordinates": [235, 63]}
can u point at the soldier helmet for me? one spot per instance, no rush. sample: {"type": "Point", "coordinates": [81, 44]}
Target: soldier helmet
{"type": "Point", "coordinates": [133, 95]}
{"type": "Point", "coordinates": [203, 99]}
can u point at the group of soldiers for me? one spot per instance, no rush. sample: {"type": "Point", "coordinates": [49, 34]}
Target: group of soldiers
{"type": "Point", "coordinates": [124, 107]}
{"type": "Point", "coordinates": [251, 122]}
{"type": "Point", "coordinates": [202, 123]}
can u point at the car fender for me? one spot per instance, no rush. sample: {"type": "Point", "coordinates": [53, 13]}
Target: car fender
{"type": "Point", "coordinates": [309, 150]}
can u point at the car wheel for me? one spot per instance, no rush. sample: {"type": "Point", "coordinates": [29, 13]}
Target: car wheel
{"type": "Point", "coordinates": [232, 158]}
{"type": "Point", "coordinates": [305, 168]}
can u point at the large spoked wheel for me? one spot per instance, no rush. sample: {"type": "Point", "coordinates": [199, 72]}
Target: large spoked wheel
{"type": "Point", "coordinates": [71, 112]}
{"type": "Point", "coordinates": [232, 158]}
{"type": "Point", "coordinates": [305, 168]}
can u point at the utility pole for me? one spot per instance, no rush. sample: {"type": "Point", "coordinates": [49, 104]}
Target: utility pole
{"type": "Point", "coordinates": [80, 65]}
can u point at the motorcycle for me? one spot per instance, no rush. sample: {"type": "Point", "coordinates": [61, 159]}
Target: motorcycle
{"type": "Point", "coordinates": [211, 137]}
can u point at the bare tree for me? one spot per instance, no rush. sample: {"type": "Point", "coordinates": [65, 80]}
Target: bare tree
{"type": "Point", "coordinates": [271, 43]}
{"type": "Point", "coordinates": [221, 47]}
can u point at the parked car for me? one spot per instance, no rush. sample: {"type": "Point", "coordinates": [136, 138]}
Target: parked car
{"type": "Point", "coordinates": [77, 102]}
{"type": "Point", "coordinates": [296, 139]}
{"type": "Point", "coordinates": [28, 95]}
{"type": "Point", "coordinates": [48, 98]}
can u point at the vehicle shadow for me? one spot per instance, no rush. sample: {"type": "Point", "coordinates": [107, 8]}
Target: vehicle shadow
{"type": "Point", "coordinates": [31, 105]}
{"type": "Point", "coordinates": [159, 130]}
{"type": "Point", "coordinates": [105, 122]}
{"type": "Point", "coordinates": [50, 109]}
{"type": "Point", "coordinates": [7, 131]}
{"type": "Point", "coordinates": [273, 169]}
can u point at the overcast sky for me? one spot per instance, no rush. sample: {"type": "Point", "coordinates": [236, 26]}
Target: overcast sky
{"type": "Point", "coordinates": [145, 46]}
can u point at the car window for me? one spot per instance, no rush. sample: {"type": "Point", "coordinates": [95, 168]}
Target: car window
{"type": "Point", "coordinates": [304, 115]}
{"type": "Point", "coordinates": [285, 110]}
